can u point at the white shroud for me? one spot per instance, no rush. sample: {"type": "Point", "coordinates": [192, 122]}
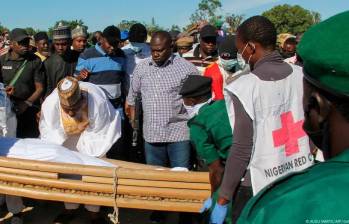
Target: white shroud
{"type": "Point", "coordinates": [36, 149]}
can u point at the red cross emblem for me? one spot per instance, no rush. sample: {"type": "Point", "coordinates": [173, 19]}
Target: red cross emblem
{"type": "Point", "coordinates": [288, 134]}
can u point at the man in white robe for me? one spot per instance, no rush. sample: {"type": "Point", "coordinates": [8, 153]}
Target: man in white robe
{"type": "Point", "coordinates": [79, 116]}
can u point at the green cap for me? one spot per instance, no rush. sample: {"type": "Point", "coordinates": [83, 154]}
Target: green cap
{"type": "Point", "coordinates": [324, 49]}
{"type": "Point", "coordinates": [218, 23]}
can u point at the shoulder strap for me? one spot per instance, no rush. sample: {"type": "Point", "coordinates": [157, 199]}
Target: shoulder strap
{"type": "Point", "coordinates": [18, 73]}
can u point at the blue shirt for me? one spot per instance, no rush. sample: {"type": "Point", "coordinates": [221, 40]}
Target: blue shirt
{"type": "Point", "coordinates": [105, 71]}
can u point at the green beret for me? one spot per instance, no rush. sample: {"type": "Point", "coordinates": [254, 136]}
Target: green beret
{"type": "Point", "coordinates": [324, 49]}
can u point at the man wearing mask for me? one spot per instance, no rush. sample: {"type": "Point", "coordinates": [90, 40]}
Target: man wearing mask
{"type": "Point", "coordinates": [61, 63]}
{"type": "Point", "coordinates": [227, 69]}
{"type": "Point", "coordinates": [326, 109]}
{"type": "Point", "coordinates": [267, 124]}
{"type": "Point", "coordinates": [136, 50]}
{"type": "Point", "coordinates": [205, 53]}
{"type": "Point", "coordinates": [42, 45]}
{"type": "Point", "coordinates": [210, 131]}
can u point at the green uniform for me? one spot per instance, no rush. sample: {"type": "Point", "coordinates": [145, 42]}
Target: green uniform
{"type": "Point", "coordinates": [317, 193]}
{"type": "Point", "coordinates": [210, 132]}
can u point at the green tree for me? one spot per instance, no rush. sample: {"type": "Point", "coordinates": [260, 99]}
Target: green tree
{"type": "Point", "coordinates": [291, 19]}
{"type": "Point", "coordinates": [175, 27]}
{"type": "Point", "coordinates": [153, 27]}
{"type": "Point", "coordinates": [126, 24]}
{"type": "Point", "coordinates": [31, 31]}
{"type": "Point", "coordinates": [207, 10]}
{"type": "Point", "coordinates": [234, 22]}
{"type": "Point", "coordinates": [2, 28]}
{"type": "Point", "coordinates": [71, 23]}
{"type": "Point", "coordinates": [316, 17]}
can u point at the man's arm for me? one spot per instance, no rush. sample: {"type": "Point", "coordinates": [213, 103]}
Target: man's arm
{"type": "Point", "coordinates": [39, 79]}
{"type": "Point", "coordinates": [82, 69]}
{"type": "Point", "coordinates": [39, 88]}
{"type": "Point", "coordinates": [240, 153]}
{"type": "Point", "coordinates": [207, 151]}
{"type": "Point", "coordinates": [135, 88]}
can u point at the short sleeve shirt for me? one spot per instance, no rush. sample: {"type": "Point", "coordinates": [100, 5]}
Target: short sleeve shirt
{"type": "Point", "coordinates": [32, 73]}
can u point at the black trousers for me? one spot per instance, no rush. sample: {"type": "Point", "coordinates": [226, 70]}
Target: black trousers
{"type": "Point", "coordinates": [242, 196]}
{"type": "Point", "coordinates": [27, 126]}
{"type": "Point", "coordinates": [123, 149]}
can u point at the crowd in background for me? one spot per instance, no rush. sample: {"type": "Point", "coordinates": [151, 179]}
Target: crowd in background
{"type": "Point", "coordinates": [229, 104]}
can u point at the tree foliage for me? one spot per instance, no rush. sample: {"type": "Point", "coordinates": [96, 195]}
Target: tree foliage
{"type": "Point", "coordinates": [291, 19]}
{"type": "Point", "coordinates": [2, 28]}
{"type": "Point", "coordinates": [31, 31]}
{"type": "Point", "coordinates": [126, 24]}
{"type": "Point", "coordinates": [207, 10]}
{"type": "Point", "coordinates": [174, 28]}
{"type": "Point", "coordinates": [153, 27]}
{"type": "Point", "coordinates": [234, 22]}
{"type": "Point", "coordinates": [71, 23]}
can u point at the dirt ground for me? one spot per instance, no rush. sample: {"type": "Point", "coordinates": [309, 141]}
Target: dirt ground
{"type": "Point", "coordinates": [44, 212]}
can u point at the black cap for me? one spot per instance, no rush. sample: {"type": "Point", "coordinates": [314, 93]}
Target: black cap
{"type": "Point", "coordinates": [138, 33]}
{"type": "Point", "coordinates": [208, 31]}
{"type": "Point", "coordinates": [195, 86]}
{"type": "Point", "coordinates": [112, 34]}
{"type": "Point", "coordinates": [174, 34]}
{"type": "Point", "coordinates": [228, 47]}
{"type": "Point", "coordinates": [40, 36]}
{"type": "Point", "coordinates": [18, 34]}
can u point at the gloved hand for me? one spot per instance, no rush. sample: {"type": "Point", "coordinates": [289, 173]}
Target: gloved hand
{"type": "Point", "coordinates": [218, 214]}
{"type": "Point", "coordinates": [207, 205]}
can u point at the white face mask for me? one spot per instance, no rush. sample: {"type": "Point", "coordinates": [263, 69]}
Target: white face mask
{"type": "Point", "coordinates": [135, 47]}
{"type": "Point", "coordinates": [227, 65]}
{"type": "Point", "coordinates": [241, 61]}
{"type": "Point", "coordinates": [192, 111]}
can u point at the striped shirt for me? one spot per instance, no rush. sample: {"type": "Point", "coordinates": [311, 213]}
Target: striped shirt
{"type": "Point", "coordinates": [165, 119]}
{"type": "Point", "coordinates": [105, 71]}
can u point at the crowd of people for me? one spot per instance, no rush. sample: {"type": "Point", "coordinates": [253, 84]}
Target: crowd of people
{"type": "Point", "coordinates": [260, 111]}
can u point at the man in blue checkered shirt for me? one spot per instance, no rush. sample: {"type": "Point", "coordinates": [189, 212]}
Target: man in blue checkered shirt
{"type": "Point", "coordinates": [159, 79]}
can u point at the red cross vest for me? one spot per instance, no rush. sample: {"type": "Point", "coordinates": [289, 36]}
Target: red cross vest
{"type": "Point", "coordinates": [280, 145]}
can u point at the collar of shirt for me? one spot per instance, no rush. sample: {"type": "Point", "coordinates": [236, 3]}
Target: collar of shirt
{"type": "Point", "coordinates": [273, 56]}
{"type": "Point", "coordinates": [167, 62]}
{"type": "Point", "coordinates": [100, 50]}
{"type": "Point", "coordinates": [42, 57]}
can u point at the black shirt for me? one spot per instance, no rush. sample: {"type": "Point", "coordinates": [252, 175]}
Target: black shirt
{"type": "Point", "coordinates": [25, 85]}
{"type": "Point", "coordinates": [57, 67]}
